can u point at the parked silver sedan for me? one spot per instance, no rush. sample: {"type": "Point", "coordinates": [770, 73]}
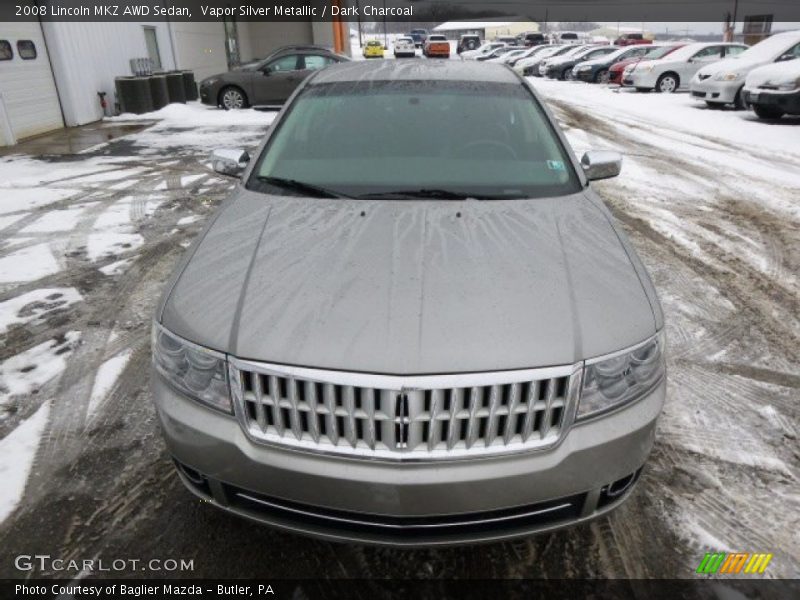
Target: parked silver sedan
{"type": "Point", "coordinates": [411, 344]}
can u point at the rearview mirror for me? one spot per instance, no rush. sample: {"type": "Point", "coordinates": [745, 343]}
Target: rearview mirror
{"type": "Point", "coordinates": [601, 164]}
{"type": "Point", "coordinates": [230, 161]}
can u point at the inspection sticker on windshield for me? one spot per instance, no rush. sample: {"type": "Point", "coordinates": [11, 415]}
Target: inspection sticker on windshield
{"type": "Point", "coordinates": [555, 165]}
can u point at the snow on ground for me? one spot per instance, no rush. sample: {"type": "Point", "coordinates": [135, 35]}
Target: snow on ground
{"type": "Point", "coordinates": [196, 127]}
{"type": "Point", "coordinates": [103, 245]}
{"type": "Point", "coordinates": [107, 375]}
{"type": "Point", "coordinates": [28, 264]}
{"type": "Point", "coordinates": [711, 199]}
{"type": "Point", "coordinates": [58, 220]}
{"type": "Point", "coordinates": [30, 307]}
{"type": "Point", "coordinates": [17, 452]}
{"type": "Point", "coordinates": [70, 230]}
{"type": "Point", "coordinates": [29, 370]}
{"type": "Point", "coordinates": [15, 199]}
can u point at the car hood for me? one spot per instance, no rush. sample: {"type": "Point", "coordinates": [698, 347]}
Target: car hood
{"type": "Point", "coordinates": [774, 74]}
{"type": "Point", "coordinates": [410, 287]}
{"type": "Point", "coordinates": [732, 64]}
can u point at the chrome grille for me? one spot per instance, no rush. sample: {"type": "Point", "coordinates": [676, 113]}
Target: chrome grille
{"type": "Point", "coordinates": [447, 416]}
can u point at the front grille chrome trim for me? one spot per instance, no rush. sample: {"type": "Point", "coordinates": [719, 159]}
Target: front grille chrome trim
{"type": "Point", "coordinates": [404, 418]}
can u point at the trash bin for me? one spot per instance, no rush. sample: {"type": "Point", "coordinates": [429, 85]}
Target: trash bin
{"type": "Point", "coordinates": [175, 89]}
{"type": "Point", "coordinates": [133, 94]}
{"type": "Point", "coordinates": [189, 86]}
{"type": "Point", "coordinates": [158, 91]}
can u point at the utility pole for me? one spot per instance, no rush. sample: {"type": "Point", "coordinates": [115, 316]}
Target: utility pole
{"type": "Point", "coordinates": [358, 12]}
{"type": "Point", "coordinates": [385, 37]}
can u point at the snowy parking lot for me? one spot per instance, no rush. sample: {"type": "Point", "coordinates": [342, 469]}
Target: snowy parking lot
{"type": "Point", "coordinates": [710, 199]}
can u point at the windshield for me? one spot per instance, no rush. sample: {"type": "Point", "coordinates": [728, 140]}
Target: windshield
{"type": "Point", "coordinates": [416, 139]}
{"type": "Point", "coordinates": [687, 51]}
{"type": "Point", "coordinates": [659, 51]}
{"type": "Point", "coordinates": [576, 51]}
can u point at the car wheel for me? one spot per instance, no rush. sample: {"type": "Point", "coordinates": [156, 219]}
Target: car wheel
{"type": "Point", "coordinates": [767, 112]}
{"type": "Point", "coordinates": [667, 83]}
{"type": "Point", "coordinates": [232, 98]}
{"type": "Point", "coordinates": [566, 74]}
{"type": "Point", "coordinates": [738, 101]}
{"type": "Point", "coordinates": [601, 76]}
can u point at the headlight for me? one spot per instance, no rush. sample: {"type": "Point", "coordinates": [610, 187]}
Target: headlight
{"type": "Point", "coordinates": [198, 372]}
{"type": "Point", "coordinates": [729, 76]}
{"type": "Point", "coordinates": [788, 86]}
{"type": "Point", "coordinates": [209, 81]}
{"type": "Point", "coordinates": [647, 68]}
{"type": "Point", "coordinates": [613, 382]}
{"type": "Point", "coordinates": [584, 68]}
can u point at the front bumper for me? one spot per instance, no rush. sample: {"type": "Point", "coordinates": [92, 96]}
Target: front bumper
{"type": "Point", "coordinates": [208, 95]}
{"type": "Point", "coordinates": [722, 92]}
{"type": "Point", "coordinates": [643, 80]}
{"type": "Point", "coordinates": [420, 503]}
{"type": "Point", "coordinates": [788, 102]}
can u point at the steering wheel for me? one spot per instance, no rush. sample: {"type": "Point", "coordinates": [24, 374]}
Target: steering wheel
{"type": "Point", "coordinates": [508, 150]}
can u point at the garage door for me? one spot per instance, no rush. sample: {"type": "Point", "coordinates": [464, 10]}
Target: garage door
{"type": "Point", "coordinates": [29, 99]}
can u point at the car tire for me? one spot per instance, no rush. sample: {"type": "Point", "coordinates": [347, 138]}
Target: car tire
{"type": "Point", "coordinates": [601, 76]}
{"type": "Point", "coordinates": [566, 74]}
{"type": "Point", "coordinates": [233, 98]}
{"type": "Point", "coordinates": [668, 83]}
{"type": "Point", "coordinates": [738, 100]}
{"type": "Point", "coordinates": [767, 112]}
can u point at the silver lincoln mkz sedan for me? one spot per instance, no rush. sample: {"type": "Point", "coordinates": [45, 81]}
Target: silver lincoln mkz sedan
{"type": "Point", "coordinates": [382, 340]}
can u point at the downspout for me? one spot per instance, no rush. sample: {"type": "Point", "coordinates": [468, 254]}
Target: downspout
{"type": "Point", "coordinates": [171, 42]}
{"type": "Point", "coordinates": [52, 71]}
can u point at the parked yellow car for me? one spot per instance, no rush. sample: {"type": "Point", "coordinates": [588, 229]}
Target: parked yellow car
{"type": "Point", "coordinates": [373, 49]}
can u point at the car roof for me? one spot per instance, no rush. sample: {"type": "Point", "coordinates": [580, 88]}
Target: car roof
{"type": "Point", "coordinates": [423, 70]}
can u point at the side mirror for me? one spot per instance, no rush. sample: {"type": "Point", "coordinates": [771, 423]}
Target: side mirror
{"type": "Point", "coordinates": [601, 164]}
{"type": "Point", "coordinates": [230, 161]}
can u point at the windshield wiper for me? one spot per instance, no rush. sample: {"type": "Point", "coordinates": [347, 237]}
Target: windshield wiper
{"type": "Point", "coordinates": [302, 187]}
{"type": "Point", "coordinates": [435, 194]}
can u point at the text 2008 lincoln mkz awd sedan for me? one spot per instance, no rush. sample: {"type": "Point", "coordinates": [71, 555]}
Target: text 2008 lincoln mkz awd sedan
{"type": "Point", "coordinates": [384, 341]}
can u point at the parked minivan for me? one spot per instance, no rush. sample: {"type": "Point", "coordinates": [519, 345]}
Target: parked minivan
{"type": "Point", "coordinates": [405, 343]}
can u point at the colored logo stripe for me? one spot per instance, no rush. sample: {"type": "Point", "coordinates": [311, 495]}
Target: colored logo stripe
{"type": "Point", "coordinates": [722, 562]}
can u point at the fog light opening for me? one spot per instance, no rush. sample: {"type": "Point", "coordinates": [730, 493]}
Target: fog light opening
{"type": "Point", "coordinates": [195, 479]}
{"type": "Point", "coordinates": [620, 486]}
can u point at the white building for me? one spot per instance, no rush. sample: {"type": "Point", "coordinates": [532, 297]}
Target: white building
{"type": "Point", "coordinates": [487, 30]}
{"type": "Point", "coordinates": [51, 72]}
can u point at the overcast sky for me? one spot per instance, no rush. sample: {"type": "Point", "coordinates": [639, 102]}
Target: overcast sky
{"type": "Point", "coordinates": [690, 28]}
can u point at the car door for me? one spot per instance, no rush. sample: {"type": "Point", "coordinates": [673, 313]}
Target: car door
{"type": "Point", "coordinates": [278, 79]}
{"type": "Point", "coordinates": [706, 56]}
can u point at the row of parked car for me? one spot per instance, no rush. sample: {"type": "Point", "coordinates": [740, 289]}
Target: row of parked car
{"type": "Point", "coordinates": [434, 46]}
{"type": "Point", "coordinates": [764, 76]}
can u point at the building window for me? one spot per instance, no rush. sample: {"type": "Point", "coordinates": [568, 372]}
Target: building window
{"type": "Point", "coordinates": [6, 52]}
{"type": "Point", "coordinates": [26, 49]}
{"type": "Point", "coordinates": [151, 41]}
